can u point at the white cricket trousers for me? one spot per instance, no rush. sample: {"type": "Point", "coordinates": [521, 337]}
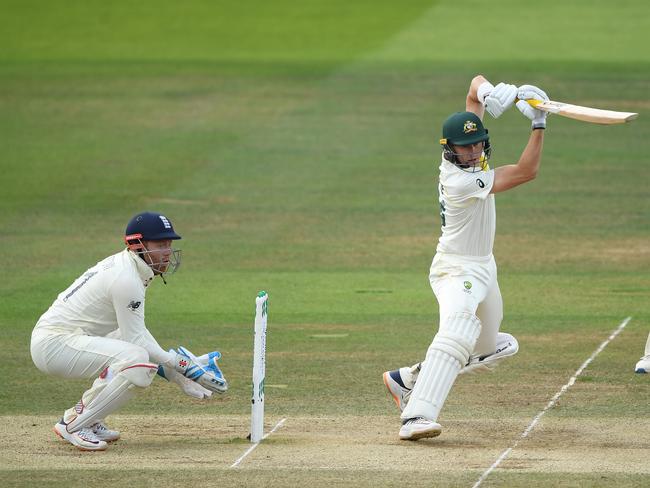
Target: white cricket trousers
{"type": "Point", "coordinates": [74, 355]}
{"type": "Point", "coordinates": [469, 284]}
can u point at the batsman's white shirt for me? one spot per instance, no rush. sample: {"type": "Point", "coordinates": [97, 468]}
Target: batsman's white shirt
{"type": "Point", "coordinates": [467, 211]}
{"type": "Point", "coordinates": [107, 297]}
{"type": "Point", "coordinates": [463, 273]}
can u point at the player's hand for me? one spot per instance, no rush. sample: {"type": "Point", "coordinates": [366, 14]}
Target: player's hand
{"type": "Point", "coordinates": [189, 387]}
{"type": "Point", "coordinates": [209, 362]}
{"type": "Point", "coordinates": [208, 377]}
{"type": "Point", "coordinates": [531, 92]}
{"type": "Point", "coordinates": [500, 99]}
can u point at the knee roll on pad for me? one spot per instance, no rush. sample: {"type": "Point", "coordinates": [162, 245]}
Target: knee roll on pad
{"type": "Point", "coordinates": [457, 336]}
{"type": "Point", "coordinates": [140, 375]}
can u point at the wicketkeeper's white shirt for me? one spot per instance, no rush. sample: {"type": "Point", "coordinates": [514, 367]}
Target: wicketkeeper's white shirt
{"type": "Point", "coordinates": [107, 297]}
{"type": "Point", "coordinates": [467, 210]}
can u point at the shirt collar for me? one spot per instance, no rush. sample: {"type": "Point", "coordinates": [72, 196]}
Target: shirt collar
{"type": "Point", "coordinates": [144, 271]}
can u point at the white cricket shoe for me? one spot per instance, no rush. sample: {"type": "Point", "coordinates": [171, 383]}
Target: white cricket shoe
{"type": "Point", "coordinates": [103, 433]}
{"type": "Point", "coordinates": [84, 439]}
{"type": "Point", "coordinates": [419, 428]}
{"type": "Point", "coordinates": [396, 382]}
{"type": "Point", "coordinates": [507, 346]}
{"type": "Point", "coordinates": [643, 366]}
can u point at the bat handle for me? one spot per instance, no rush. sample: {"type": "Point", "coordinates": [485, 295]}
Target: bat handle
{"type": "Point", "coordinates": [532, 102]}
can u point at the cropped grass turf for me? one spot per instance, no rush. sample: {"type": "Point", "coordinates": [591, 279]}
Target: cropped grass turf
{"type": "Point", "coordinates": [294, 146]}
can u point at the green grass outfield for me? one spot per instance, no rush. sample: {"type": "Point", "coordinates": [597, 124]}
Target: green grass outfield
{"type": "Point", "coordinates": [294, 147]}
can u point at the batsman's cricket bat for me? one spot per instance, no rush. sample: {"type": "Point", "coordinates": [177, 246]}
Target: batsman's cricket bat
{"type": "Point", "coordinates": [586, 114]}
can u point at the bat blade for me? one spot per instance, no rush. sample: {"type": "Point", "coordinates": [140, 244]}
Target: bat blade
{"type": "Point", "coordinates": [586, 114]}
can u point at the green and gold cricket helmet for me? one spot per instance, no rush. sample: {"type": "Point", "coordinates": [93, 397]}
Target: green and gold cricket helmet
{"type": "Point", "coordinates": [462, 129]}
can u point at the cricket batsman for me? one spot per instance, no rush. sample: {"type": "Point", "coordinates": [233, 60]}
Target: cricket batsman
{"type": "Point", "coordinates": [463, 274]}
{"type": "Point", "coordinates": [96, 329]}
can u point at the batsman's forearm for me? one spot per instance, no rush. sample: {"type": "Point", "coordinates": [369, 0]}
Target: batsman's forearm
{"type": "Point", "coordinates": [531, 158]}
{"type": "Point", "coordinates": [472, 94]}
{"type": "Point", "coordinates": [472, 103]}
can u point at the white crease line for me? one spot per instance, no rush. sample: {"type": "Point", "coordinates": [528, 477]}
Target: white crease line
{"type": "Point", "coordinates": [252, 448]}
{"type": "Point", "coordinates": [552, 403]}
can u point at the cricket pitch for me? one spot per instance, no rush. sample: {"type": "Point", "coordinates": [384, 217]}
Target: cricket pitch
{"type": "Point", "coordinates": [322, 451]}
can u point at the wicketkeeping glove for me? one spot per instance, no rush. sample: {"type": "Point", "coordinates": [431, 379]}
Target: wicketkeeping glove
{"type": "Point", "coordinates": [207, 375]}
{"type": "Point", "coordinates": [531, 92]}
{"type": "Point", "coordinates": [189, 387]}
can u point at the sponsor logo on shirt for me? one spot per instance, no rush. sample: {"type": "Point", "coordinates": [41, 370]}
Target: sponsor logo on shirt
{"type": "Point", "coordinates": [480, 183]}
{"type": "Point", "coordinates": [134, 305]}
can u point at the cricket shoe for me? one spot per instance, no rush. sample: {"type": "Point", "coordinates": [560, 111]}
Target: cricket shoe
{"type": "Point", "coordinates": [507, 346]}
{"type": "Point", "coordinates": [399, 383]}
{"type": "Point", "coordinates": [643, 366]}
{"type": "Point", "coordinates": [419, 428]}
{"type": "Point", "coordinates": [103, 433]}
{"type": "Point", "coordinates": [84, 439]}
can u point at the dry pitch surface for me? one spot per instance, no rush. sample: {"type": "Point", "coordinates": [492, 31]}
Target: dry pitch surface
{"type": "Point", "coordinates": [324, 450]}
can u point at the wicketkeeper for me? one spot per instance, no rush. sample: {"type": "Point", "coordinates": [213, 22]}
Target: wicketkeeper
{"type": "Point", "coordinates": [96, 329]}
{"type": "Point", "coordinates": [463, 274]}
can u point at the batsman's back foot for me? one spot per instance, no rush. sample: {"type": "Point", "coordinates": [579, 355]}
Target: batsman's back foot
{"type": "Point", "coordinates": [419, 428]}
{"type": "Point", "coordinates": [396, 388]}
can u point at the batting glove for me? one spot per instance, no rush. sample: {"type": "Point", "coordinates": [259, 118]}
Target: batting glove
{"type": "Point", "coordinates": [496, 99]}
{"type": "Point", "coordinates": [530, 92]}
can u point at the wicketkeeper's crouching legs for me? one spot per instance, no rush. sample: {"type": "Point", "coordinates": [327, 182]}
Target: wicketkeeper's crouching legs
{"type": "Point", "coordinates": [124, 368]}
{"type": "Point", "coordinates": [447, 354]}
{"type": "Point", "coordinates": [115, 394]}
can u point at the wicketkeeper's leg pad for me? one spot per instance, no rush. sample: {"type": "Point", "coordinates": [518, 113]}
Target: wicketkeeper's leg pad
{"type": "Point", "coordinates": [447, 354]}
{"type": "Point", "coordinates": [121, 389]}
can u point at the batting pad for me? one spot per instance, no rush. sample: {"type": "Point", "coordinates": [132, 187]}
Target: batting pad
{"type": "Point", "coordinates": [447, 354]}
{"type": "Point", "coordinates": [115, 395]}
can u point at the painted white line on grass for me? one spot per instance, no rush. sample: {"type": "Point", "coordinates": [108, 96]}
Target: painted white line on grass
{"type": "Point", "coordinates": [252, 448]}
{"type": "Point", "coordinates": [551, 403]}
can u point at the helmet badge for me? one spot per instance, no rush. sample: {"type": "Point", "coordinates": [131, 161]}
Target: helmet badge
{"type": "Point", "coordinates": [165, 222]}
{"type": "Point", "coordinates": [469, 126]}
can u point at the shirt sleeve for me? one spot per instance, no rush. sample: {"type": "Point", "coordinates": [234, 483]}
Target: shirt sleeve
{"type": "Point", "coordinates": [128, 301]}
{"type": "Point", "coordinates": [465, 186]}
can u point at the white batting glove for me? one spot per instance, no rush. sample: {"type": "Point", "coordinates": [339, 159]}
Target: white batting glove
{"type": "Point", "coordinates": [531, 92]}
{"type": "Point", "coordinates": [496, 99]}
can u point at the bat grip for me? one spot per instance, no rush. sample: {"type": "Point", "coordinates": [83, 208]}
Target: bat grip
{"type": "Point", "coordinates": [532, 102]}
